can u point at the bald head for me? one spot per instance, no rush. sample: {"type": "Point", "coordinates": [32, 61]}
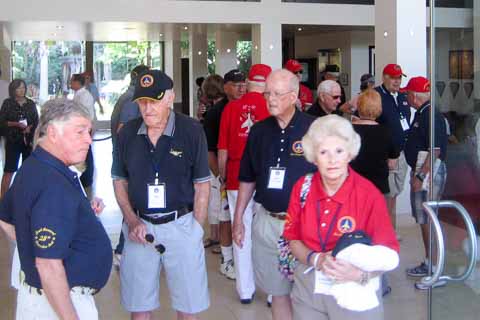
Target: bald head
{"type": "Point", "coordinates": [281, 92]}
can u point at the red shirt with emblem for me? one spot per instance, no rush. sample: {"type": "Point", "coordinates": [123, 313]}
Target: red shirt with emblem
{"type": "Point", "coordinates": [305, 96]}
{"type": "Point", "coordinates": [237, 119]}
{"type": "Point", "coordinates": [358, 205]}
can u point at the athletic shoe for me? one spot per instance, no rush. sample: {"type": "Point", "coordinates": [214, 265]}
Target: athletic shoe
{"type": "Point", "coordinates": [228, 269]}
{"type": "Point", "coordinates": [438, 284]}
{"type": "Point", "coordinates": [419, 271]}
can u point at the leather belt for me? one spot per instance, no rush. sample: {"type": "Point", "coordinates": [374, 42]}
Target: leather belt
{"type": "Point", "coordinates": [167, 216]}
{"type": "Point", "coordinates": [277, 215]}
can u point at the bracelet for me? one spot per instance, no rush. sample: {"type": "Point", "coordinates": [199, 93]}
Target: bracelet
{"type": "Point", "coordinates": [315, 260]}
{"type": "Point", "coordinates": [309, 256]}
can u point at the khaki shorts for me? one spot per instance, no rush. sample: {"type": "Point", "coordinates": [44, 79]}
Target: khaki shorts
{"type": "Point", "coordinates": [307, 305]}
{"type": "Point", "coordinates": [396, 178]}
{"type": "Point", "coordinates": [265, 234]}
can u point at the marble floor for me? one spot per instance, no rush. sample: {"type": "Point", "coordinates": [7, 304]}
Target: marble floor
{"type": "Point", "coordinates": [455, 301]}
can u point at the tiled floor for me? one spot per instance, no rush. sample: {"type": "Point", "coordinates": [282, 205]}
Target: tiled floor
{"type": "Point", "coordinates": [456, 301]}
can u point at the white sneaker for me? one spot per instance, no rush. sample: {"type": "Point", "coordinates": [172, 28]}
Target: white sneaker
{"type": "Point", "coordinates": [228, 269]}
{"type": "Point", "coordinates": [438, 284]}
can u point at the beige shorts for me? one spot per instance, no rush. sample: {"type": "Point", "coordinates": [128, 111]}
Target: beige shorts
{"type": "Point", "coordinates": [266, 231]}
{"type": "Point", "coordinates": [396, 178]}
{"type": "Point", "coordinates": [307, 305]}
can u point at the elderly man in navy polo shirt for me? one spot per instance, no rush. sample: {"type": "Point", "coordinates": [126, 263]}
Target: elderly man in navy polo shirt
{"type": "Point", "coordinates": [162, 186]}
{"type": "Point", "coordinates": [395, 115]}
{"type": "Point", "coordinates": [418, 158]}
{"type": "Point", "coordinates": [271, 164]}
{"type": "Point", "coordinates": [65, 253]}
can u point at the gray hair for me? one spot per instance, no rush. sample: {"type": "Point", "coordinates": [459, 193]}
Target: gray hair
{"type": "Point", "coordinates": [326, 86]}
{"type": "Point", "coordinates": [294, 83]}
{"type": "Point", "coordinates": [330, 126]}
{"type": "Point", "coordinates": [57, 112]}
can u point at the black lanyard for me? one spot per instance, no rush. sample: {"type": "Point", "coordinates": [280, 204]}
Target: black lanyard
{"type": "Point", "coordinates": [323, 244]}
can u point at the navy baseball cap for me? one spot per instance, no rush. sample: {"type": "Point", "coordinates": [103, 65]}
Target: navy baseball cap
{"type": "Point", "coordinates": [152, 84]}
{"type": "Point", "coordinates": [234, 75]}
{"type": "Point", "coordinates": [347, 239]}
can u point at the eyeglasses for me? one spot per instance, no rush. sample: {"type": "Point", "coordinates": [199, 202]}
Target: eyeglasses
{"type": "Point", "coordinates": [335, 97]}
{"type": "Point", "coordinates": [275, 95]}
{"type": "Point", "coordinates": [239, 85]}
{"type": "Point", "coordinates": [299, 72]}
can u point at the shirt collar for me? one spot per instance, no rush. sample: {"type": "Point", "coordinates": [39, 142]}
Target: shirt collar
{"type": "Point", "coordinates": [46, 157]}
{"type": "Point", "coordinates": [343, 194]}
{"type": "Point", "coordinates": [292, 122]}
{"type": "Point", "coordinates": [169, 129]}
{"type": "Point", "coordinates": [423, 107]}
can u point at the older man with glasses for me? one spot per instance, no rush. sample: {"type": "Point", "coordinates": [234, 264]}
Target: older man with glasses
{"type": "Point", "coordinates": [329, 96]}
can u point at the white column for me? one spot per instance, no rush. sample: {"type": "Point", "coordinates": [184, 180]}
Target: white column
{"type": "Point", "coordinates": [5, 54]}
{"type": "Point", "coordinates": [173, 59]}
{"type": "Point", "coordinates": [226, 57]}
{"type": "Point", "coordinates": [400, 36]}
{"type": "Point", "coordinates": [43, 96]}
{"type": "Point", "coordinates": [198, 61]}
{"type": "Point", "coordinates": [267, 44]}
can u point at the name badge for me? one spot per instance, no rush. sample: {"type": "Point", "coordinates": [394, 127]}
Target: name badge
{"type": "Point", "coordinates": [157, 196]}
{"type": "Point", "coordinates": [404, 123]}
{"type": "Point", "coordinates": [276, 178]}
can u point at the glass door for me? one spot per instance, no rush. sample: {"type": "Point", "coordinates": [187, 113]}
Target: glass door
{"type": "Point", "coordinates": [455, 279]}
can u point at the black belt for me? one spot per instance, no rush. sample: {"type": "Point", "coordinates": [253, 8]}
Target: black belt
{"type": "Point", "coordinates": [168, 216]}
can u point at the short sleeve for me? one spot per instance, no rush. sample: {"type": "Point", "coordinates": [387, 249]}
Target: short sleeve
{"type": "Point", "coordinates": [119, 168]}
{"type": "Point", "coordinates": [201, 171]}
{"type": "Point", "coordinates": [53, 223]}
{"type": "Point", "coordinates": [292, 229]}
{"type": "Point", "coordinates": [6, 208]}
{"type": "Point", "coordinates": [247, 170]}
{"type": "Point", "coordinates": [224, 125]}
{"type": "Point", "coordinates": [379, 226]}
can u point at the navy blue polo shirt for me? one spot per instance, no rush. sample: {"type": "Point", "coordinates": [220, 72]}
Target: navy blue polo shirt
{"type": "Point", "coordinates": [54, 220]}
{"type": "Point", "coordinates": [392, 113]}
{"type": "Point", "coordinates": [180, 157]}
{"type": "Point", "coordinates": [419, 136]}
{"type": "Point", "coordinates": [269, 145]}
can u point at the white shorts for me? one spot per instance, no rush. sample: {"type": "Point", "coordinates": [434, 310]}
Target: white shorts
{"type": "Point", "coordinates": [217, 204]}
{"type": "Point", "coordinates": [33, 306]}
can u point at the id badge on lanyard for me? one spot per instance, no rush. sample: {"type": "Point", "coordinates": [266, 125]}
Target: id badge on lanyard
{"type": "Point", "coordinates": [276, 178]}
{"type": "Point", "coordinates": [157, 194]}
{"type": "Point", "coordinates": [404, 122]}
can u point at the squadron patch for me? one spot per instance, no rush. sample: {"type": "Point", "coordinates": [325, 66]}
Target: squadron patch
{"type": "Point", "coordinates": [297, 148]}
{"type": "Point", "coordinates": [146, 81]}
{"type": "Point", "coordinates": [45, 238]}
{"type": "Point", "coordinates": [346, 224]}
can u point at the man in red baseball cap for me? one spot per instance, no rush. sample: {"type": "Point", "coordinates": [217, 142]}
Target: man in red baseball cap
{"type": "Point", "coordinates": [418, 158]}
{"type": "Point", "coordinates": [396, 116]}
{"type": "Point", "coordinates": [237, 119]}
{"type": "Point", "coordinates": [305, 96]}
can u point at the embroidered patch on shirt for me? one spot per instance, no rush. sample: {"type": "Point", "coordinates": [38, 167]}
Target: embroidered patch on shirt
{"type": "Point", "coordinates": [45, 238]}
{"type": "Point", "coordinates": [176, 153]}
{"type": "Point", "coordinates": [346, 224]}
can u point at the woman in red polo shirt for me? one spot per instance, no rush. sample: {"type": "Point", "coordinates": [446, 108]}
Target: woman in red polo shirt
{"type": "Point", "coordinates": [338, 201]}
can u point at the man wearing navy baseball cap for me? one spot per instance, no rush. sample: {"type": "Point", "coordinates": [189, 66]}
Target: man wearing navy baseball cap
{"type": "Point", "coordinates": [162, 186]}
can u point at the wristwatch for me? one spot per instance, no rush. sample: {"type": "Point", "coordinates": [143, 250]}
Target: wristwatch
{"type": "Point", "coordinates": [421, 176]}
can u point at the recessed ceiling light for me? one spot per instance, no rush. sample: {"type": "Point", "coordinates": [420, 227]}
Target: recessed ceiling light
{"type": "Point", "coordinates": [161, 34]}
{"type": "Point", "coordinates": [199, 53]}
{"type": "Point", "coordinates": [228, 50]}
{"type": "Point", "coordinates": [59, 27]}
{"type": "Point", "coordinates": [299, 29]}
{"type": "Point", "coordinates": [185, 28]}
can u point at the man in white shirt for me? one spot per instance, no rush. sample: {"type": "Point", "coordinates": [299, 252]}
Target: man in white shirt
{"type": "Point", "coordinates": [85, 98]}
{"type": "Point", "coordinates": [82, 95]}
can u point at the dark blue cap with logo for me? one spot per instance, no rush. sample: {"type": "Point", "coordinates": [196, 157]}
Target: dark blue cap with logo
{"type": "Point", "coordinates": [152, 85]}
{"type": "Point", "coordinates": [347, 239]}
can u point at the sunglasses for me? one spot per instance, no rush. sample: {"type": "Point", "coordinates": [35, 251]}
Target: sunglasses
{"type": "Point", "coordinates": [159, 247]}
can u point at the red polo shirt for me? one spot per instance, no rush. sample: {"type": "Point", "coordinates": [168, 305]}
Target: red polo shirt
{"type": "Point", "coordinates": [359, 204]}
{"type": "Point", "coordinates": [305, 96]}
{"type": "Point", "coordinates": [237, 119]}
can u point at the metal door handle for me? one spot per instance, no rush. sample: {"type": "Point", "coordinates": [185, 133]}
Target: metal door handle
{"type": "Point", "coordinates": [437, 275]}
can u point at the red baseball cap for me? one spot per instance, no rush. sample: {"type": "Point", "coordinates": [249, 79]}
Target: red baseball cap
{"type": "Point", "coordinates": [259, 72]}
{"type": "Point", "coordinates": [418, 84]}
{"type": "Point", "coordinates": [393, 70]}
{"type": "Point", "coordinates": [293, 66]}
